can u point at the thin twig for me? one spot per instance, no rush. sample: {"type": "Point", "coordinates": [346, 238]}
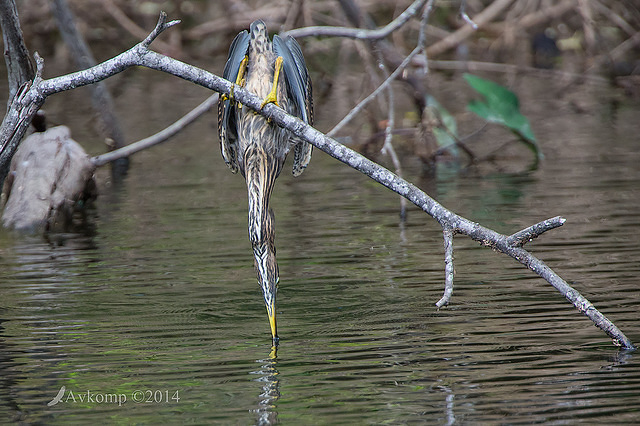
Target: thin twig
{"type": "Point", "coordinates": [522, 237]}
{"type": "Point", "coordinates": [387, 148]}
{"type": "Point", "coordinates": [130, 26]}
{"type": "Point", "coordinates": [465, 17]}
{"type": "Point", "coordinates": [422, 35]}
{"type": "Point", "coordinates": [359, 33]}
{"type": "Point", "coordinates": [356, 110]}
{"type": "Point", "coordinates": [161, 26]}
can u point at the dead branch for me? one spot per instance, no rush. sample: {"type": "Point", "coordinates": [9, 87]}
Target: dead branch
{"type": "Point", "coordinates": [140, 55]}
{"type": "Point", "coordinates": [395, 74]}
{"type": "Point", "coordinates": [360, 33]}
{"type": "Point", "coordinates": [16, 56]}
{"type": "Point", "coordinates": [100, 96]}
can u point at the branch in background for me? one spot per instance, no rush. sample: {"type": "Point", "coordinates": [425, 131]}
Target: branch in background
{"type": "Point", "coordinates": [100, 96]}
{"type": "Point", "coordinates": [475, 66]}
{"type": "Point", "coordinates": [480, 19]}
{"type": "Point", "coordinates": [141, 56]}
{"type": "Point", "coordinates": [395, 74]}
{"type": "Point", "coordinates": [131, 27]}
{"type": "Point", "coordinates": [16, 55]}
{"type": "Point", "coordinates": [387, 148]}
{"type": "Point", "coordinates": [614, 17]}
{"type": "Point", "coordinates": [347, 118]}
{"type": "Point", "coordinates": [360, 33]}
{"type": "Point", "coordinates": [536, 18]}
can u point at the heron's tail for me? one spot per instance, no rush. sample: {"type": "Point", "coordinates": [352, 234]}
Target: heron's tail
{"type": "Point", "coordinates": [261, 170]}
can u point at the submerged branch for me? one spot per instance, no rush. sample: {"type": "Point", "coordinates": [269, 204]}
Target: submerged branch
{"type": "Point", "coordinates": [140, 55]}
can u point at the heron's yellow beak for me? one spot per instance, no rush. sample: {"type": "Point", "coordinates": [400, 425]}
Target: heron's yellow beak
{"type": "Point", "coordinates": [271, 311]}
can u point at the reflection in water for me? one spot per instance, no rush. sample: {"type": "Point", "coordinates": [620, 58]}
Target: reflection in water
{"type": "Point", "coordinates": [266, 412]}
{"type": "Point", "coordinates": [449, 414]}
{"type": "Point", "coordinates": [43, 272]}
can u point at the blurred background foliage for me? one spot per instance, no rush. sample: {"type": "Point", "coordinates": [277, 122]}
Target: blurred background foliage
{"type": "Point", "coordinates": [573, 41]}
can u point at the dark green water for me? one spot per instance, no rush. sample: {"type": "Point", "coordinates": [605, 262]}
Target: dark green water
{"type": "Point", "coordinates": [158, 302]}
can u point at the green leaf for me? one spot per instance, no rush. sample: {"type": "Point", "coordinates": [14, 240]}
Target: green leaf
{"type": "Point", "coordinates": [447, 134]}
{"type": "Point", "coordinates": [500, 105]}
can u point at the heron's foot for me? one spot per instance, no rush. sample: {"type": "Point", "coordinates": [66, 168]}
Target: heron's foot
{"type": "Point", "coordinates": [228, 97]}
{"type": "Point", "coordinates": [272, 97]}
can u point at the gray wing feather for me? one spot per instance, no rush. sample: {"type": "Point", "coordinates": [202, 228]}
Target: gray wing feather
{"type": "Point", "coordinates": [227, 126]}
{"type": "Point", "coordinates": [299, 90]}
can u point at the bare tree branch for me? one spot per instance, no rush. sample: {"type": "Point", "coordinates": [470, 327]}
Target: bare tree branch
{"type": "Point", "coordinates": [405, 62]}
{"type": "Point", "coordinates": [16, 56]}
{"type": "Point", "coordinates": [360, 33]}
{"type": "Point", "coordinates": [100, 96]}
{"type": "Point", "coordinates": [140, 55]}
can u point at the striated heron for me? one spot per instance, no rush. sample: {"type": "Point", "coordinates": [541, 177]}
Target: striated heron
{"type": "Point", "coordinates": [275, 71]}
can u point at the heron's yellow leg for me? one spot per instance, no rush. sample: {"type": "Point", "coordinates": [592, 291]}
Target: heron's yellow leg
{"type": "Point", "coordinates": [241, 71]}
{"type": "Point", "coordinates": [272, 97]}
{"type": "Point", "coordinates": [239, 79]}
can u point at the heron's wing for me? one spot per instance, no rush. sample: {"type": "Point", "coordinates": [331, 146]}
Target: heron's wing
{"type": "Point", "coordinates": [227, 126]}
{"type": "Point", "coordinates": [300, 92]}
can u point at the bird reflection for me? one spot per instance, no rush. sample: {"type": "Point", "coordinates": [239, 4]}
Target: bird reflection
{"type": "Point", "coordinates": [266, 412]}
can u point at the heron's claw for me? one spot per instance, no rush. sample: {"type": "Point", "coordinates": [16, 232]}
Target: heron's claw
{"type": "Point", "coordinates": [272, 97]}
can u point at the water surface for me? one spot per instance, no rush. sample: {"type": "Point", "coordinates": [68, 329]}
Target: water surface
{"type": "Point", "coordinates": [157, 300]}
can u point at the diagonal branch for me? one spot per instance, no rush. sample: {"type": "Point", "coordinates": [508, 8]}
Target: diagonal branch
{"type": "Point", "coordinates": [140, 55]}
